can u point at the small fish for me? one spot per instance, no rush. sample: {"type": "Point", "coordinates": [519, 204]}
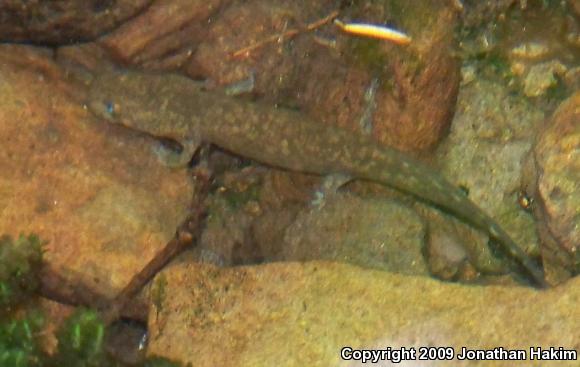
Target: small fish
{"type": "Point", "coordinates": [374, 31]}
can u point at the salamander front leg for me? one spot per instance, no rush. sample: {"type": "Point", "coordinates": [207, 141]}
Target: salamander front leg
{"type": "Point", "coordinates": [329, 186]}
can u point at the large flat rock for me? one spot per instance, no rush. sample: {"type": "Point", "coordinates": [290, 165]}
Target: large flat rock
{"type": "Point", "coordinates": [302, 314]}
{"type": "Point", "coordinates": [97, 195]}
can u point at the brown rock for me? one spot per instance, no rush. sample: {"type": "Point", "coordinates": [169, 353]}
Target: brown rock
{"type": "Point", "coordinates": [418, 117]}
{"type": "Point", "coordinates": [289, 314]}
{"type": "Point", "coordinates": [417, 86]}
{"type": "Point", "coordinates": [275, 64]}
{"type": "Point", "coordinates": [419, 83]}
{"type": "Point", "coordinates": [491, 134]}
{"type": "Point", "coordinates": [58, 22]}
{"type": "Point", "coordinates": [282, 196]}
{"type": "Point", "coordinates": [447, 258]}
{"type": "Point", "coordinates": [557, 161]}
{"type": "Point", "coordinates": [249, 212]}
{"type": "Point", "coordinates": [372, 233]}
{"type": "Point", "coordinates": [576, 6]}
{"type": "Point", "coordinates": [54, 316]}
{"type": "Point", "coordinates": [167, 30]}
{"type": "Point", "coordinates": [96, 194]}
{"type": "Point", "coordinates": [479, 12]}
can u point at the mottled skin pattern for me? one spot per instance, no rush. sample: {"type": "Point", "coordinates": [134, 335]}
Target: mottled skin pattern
{"type": "Point", "coordinates": [176, 107]}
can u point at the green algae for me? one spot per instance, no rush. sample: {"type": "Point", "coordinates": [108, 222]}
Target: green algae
{"type": "Point", "coordinates": [159, 292]}
{"type": "Point", "coordinates": [236, 199]}
{"type": "Point", "coordinates": [80, 340]}
{"type": "Point", "coordinates": [80, 337]}
{"type": "Point", "coordinates": [19, 261]}
{"type": "Point", "coordinates": [19, 346]}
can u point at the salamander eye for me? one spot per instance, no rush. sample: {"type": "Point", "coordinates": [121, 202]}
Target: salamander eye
{"type": "Point", "coordinates": [110, 108]}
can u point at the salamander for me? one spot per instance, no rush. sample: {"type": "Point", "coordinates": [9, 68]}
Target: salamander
{"type": "Point", "coordinates": [176, 107]}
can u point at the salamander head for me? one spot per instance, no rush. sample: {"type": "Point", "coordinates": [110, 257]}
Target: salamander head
{"type": "Point", "coordinates": [134, 99]}
{"type": "Point", "coordinates": [122, 98]}
{"type": "Point", "coordinates": [164, 106]}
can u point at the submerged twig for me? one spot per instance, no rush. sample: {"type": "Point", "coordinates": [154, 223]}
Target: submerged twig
{"type": "Point", "coordinates": [287, 34]}
{"type": "Point", "coordinates": [188, 232]}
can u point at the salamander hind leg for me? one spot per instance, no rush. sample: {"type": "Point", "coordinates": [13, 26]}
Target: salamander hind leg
{"type": "Point", "coordinates": [176, 157]}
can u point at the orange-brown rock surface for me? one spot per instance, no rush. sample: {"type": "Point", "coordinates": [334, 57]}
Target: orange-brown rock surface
{"type": "Point", "coordinates": [167, 29]}
{"type": "Point", "coordinates": [556, 158]}
{"type": "Point", "coordinates": [97, 195]}
{"type": "Point", "coordinates": [289, 314]}
{"type": "Point", "coordinates": [64, 21]}
{"type": "Point", "coordinates": [417, 85]}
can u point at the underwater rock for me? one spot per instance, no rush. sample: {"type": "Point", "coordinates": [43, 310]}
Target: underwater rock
{"type": "Point", "coordinates": [55, 314]}
{"type": "Point", "coordinates": [371, 233]}
{"type": "Point", "coordinates": [572, 78]}
{"type": "Point", "coordinates": [556, 157]}
{"type": "Point", "coordinates": [283, 195]}
{"type": "Point", "coordinates": [446, 256]}
{"type": "Point", "coordinates": [249, 212]}
{"type": "Point", "coordinates": [542, 77]}
{"type": "Point", "coordinates": [59, 22]}
{"type": "Point", "coordinates": [164, 36]}
{"type": "Point", "coordinates": [479, 12]}
{"type": "Point", "coordinates": [95, 193]}
{"type": "Point", "coordinates": [328, 74]}
{"type": "Point", "coordinates": [125, 341]}
{"type": "Point", "coordinates": [225, 241]}
{"type": "Point", "coordinates": [530, 50]}
{"type": "Point", "coordinates": [576, 7]}
{"type": "Point", "coordinates": [302, 314]}
{"type": "Point", "coordinates": [419, 83]}
{"type": "Point", "coordinates": [275, 65]}
{"type": "Point", "coordinates": [490, 136]}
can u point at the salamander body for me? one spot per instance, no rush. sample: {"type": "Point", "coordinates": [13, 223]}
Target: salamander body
{"type": "Point", "coordinates": [173, 106]}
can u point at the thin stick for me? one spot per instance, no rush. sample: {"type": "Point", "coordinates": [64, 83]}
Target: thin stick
{"type": "Point", "coordinates": [287, 34]}
{"type": "Point", "coordinates": [188, 232]}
